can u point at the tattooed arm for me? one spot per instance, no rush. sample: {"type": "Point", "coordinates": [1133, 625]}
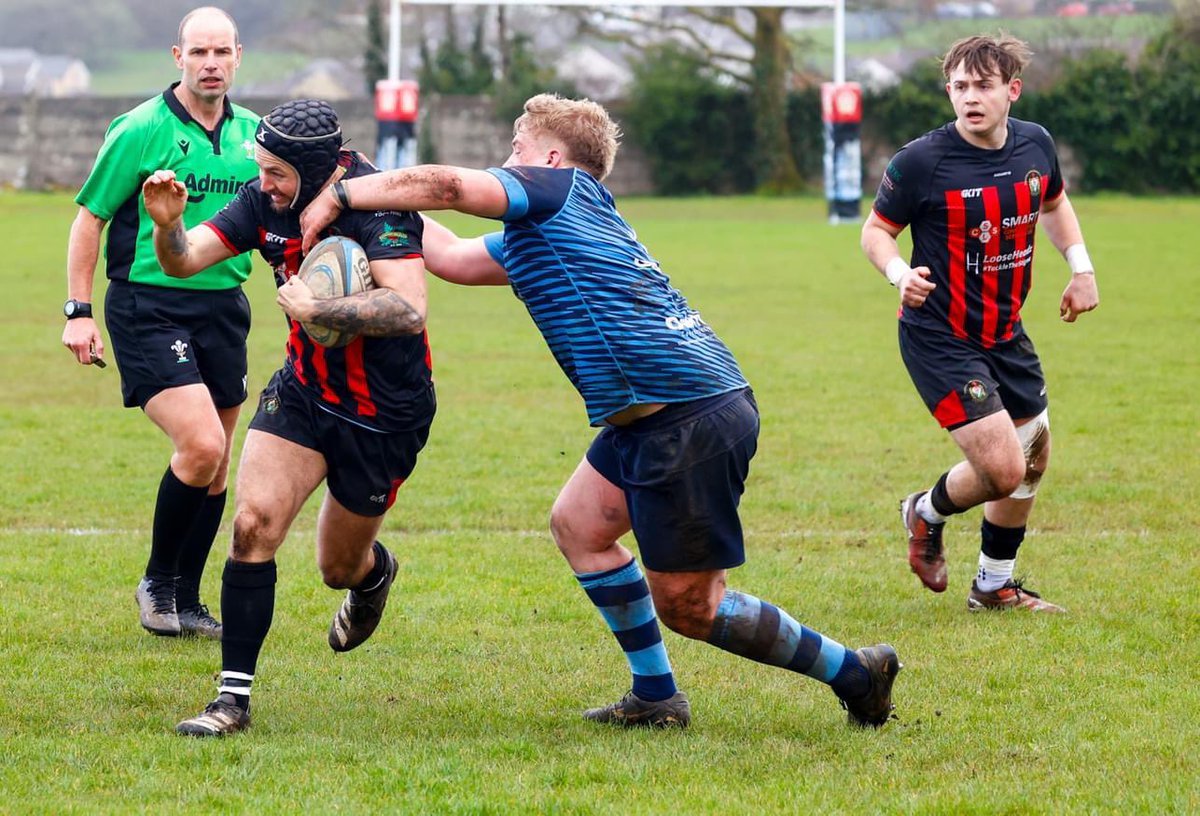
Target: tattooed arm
{"type": "Point", "coordinates": [395, 307]}
{"type": "Point", "coordinates": [181, 253]}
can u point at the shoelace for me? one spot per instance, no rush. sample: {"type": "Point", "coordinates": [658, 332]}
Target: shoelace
{"type": "Point", "coordinates": [201, 612]}
{"type": "Point", "coordinates": [164, 602]}
{"type": "Point", "coordinates": [933, 543]}
{"type": "Point", "coordinates": [1018, 584]}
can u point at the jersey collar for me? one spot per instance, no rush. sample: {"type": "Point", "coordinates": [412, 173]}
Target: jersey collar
{"type": "Point", "coordinates": [181, 113]}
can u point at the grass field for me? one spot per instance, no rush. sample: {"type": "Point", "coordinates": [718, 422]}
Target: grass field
{"type": "Point", "coordinates": [467, 698]}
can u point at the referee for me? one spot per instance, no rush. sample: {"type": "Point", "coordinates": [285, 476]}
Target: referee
{"type": "Point", "coordinates": [180, 345]}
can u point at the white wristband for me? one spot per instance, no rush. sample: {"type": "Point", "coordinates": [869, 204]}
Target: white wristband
{"type": "Point", "coordinates": [1078, 260]}
{"type": "Point", "coordinates": [896, 269]}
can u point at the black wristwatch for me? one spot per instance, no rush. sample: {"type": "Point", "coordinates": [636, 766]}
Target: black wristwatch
{"type": "Point", "coordinates": [76, 308]}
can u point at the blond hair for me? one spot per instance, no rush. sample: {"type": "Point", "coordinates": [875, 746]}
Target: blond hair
{"type": "Point", "coordinates": [585, 129]}
{"type": "Point", "coordinates": [982, 55]}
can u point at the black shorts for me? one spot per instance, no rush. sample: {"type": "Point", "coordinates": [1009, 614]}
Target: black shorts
{"type": "Point", "coordinates": [683, 471]}
{"type": "Point", "coordinates": [961, 381]}
{"type": "Point", "coordinates": [164, 338]}
{"type": "Point", "coordinates": [365, 466]}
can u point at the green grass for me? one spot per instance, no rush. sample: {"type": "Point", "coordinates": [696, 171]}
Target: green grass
{"type": "Point", "coordinates": [467, 699]}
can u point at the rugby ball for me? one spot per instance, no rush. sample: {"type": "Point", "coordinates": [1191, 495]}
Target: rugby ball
{"type": "Point", "coordinates": [335, 267]}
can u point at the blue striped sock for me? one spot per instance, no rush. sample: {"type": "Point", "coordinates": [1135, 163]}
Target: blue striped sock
{"type": "Point", "coordinates": [754, 629]}
{"type": "Point", "coordinates": [623, 598]}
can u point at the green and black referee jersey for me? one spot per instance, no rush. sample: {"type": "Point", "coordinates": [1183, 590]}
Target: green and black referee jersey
{"type": "Point", "coordinates": [160, 134]}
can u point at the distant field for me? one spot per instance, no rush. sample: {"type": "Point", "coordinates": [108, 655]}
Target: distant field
{"type": "Point", "coordinates": [1043, 33]}
{"type": "Point", "coordinates": [467, 699]}
{"type": "Point", "coordinates": [139, 73]}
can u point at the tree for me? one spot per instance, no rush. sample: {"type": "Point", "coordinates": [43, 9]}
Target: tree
{"type": "Point", "coordinates": [762, 65]}
{"type": "Point", "coordinates": [376, 67]}
{"type": "Point", "coordinates": [523, 76]}
{"type": "Point", "coordinates": [449, 69]}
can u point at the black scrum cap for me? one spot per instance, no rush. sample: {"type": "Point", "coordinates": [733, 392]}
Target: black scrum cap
{"type": "Point", "coordinates": [304, 134]}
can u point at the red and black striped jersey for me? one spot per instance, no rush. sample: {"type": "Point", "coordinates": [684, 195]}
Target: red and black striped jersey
{"type": "Point", "coordinates": [382, 383]}
{"type": "Point", "coordinates": [973, 214]}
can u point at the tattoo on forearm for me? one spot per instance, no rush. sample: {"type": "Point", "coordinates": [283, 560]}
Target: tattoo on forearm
{"type": "Point", "coordinates": [177, 240]}
{"type": "Point", "coordinates": [378, 313]}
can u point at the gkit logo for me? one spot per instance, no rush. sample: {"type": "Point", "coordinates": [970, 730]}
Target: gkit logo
{"type": "Point", "coordinates": [184, 145]}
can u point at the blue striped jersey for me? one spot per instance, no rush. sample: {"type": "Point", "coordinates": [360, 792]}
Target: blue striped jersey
{"type": "Point", "coordinates": [616, 326]}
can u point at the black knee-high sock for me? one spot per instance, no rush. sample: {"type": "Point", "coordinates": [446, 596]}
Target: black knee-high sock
{"type": "Point", "coordinates": [247, 607]}
{"type": "Point", "coordinates": [377, 572]}
{"type": "Point", "coordinates": [174, 514]}
{"type": "Point", "coordinates": [196, 548]}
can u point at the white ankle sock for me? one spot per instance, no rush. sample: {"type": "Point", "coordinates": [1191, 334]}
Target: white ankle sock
{"type": "Point", "coordinates": [993, 573]}
{"type": "Point", "coordinates": [925, 510]}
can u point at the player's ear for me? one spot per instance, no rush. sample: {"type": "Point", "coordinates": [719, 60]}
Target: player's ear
{"type": "Point", "coordinates": [178, 55]}
{"type": "Point", "coordinates": [1014, 89]}
{"type": "Point", "coordinates": [554, 158]}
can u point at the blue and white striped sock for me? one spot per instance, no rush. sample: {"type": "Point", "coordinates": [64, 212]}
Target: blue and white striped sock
{"type": "Point", "coordinates": [754, 629]}
{"type": "Point", "coordinates": [623, 598]}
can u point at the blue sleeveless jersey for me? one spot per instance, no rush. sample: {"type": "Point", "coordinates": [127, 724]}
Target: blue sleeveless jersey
{"type": "Point", "coordinates": [618, 329]}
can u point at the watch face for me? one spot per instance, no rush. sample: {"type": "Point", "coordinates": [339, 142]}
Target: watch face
{"type": "Point", "coordinates": [69, 308]}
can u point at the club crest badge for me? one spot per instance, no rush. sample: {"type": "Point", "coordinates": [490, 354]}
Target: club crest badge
{"type": "Point", "coordinates": [180, 348]}
{"type": "Point", "coordinates": [1034, 180]}
{"type": "Point", "coordinates": [976, 390]}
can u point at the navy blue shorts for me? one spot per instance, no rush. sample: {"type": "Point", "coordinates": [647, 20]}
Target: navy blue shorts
{"type": "Point", "coordinates": [164, 338]}
{"type": "Point", "coordinates": [365, 467]}
{"type": "Point", "coordinates": [960, 381]}
{"type": "Point", "coordinates": [683, 471]}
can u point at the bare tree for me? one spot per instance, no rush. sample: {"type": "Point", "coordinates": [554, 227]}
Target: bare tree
{"type": "Point", "coordinates": [752, 51]}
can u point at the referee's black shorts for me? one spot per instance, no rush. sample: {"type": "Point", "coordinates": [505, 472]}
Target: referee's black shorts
{"type": "Point", "coordinates": [164, 338]}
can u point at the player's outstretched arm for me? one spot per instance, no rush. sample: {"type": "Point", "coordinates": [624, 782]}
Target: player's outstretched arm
{"type": "Point", "coordinates": [464, 261]}
{"type": "Point", "coordinates": [1061, 224]}
{"type": "Point", "coordinates": [878, 243]}
{"type": "Point", "coordinates": [395, 307]}
{"type": "Point", "coordinates": [81, 335]}
{"type": "Point", "coordinates": [426, 187]}
{"type": "Point", "coordinates": [181, 253]}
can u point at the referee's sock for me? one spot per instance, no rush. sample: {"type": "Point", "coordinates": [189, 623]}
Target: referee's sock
{"type": "Point", "coordinates": [196, 547]}
{"type": "Point", "coordinates": [175, 512]}
{"type": "Point", "coordinates": [623, 598]}
{"type": "Point", "coordinates": [247, 607]}
{"type": "Point", "coordinates": [754, 629]}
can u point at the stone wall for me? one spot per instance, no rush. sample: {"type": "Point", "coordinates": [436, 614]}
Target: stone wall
{"type": "Point", "coordinates": [50, 144]}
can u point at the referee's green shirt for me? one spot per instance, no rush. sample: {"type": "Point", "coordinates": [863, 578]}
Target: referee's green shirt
{"type": "Point", "coordinates": [160, 134]}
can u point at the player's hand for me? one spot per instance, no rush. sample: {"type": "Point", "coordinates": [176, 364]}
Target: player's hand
{"type": "Point", "coordinates": [164, 197]}
{"type": "Point", "coordinates": [296, 299]}
{"type": "Point", "coordinates": [83, 339]}
{"type": "Point", "coordinates": [915, 287]}
{"type": "Point", "coordinates": [1081, 295]}
{"type": "Point", "coordinates": [318, 215]}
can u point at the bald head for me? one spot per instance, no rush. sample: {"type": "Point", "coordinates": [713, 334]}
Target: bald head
{"type": "Point", "coordinates": [208, 15]}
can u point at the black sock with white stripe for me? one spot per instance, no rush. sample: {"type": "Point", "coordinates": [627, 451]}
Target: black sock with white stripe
{"type": "Point", "coordinates": [247, 607]}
